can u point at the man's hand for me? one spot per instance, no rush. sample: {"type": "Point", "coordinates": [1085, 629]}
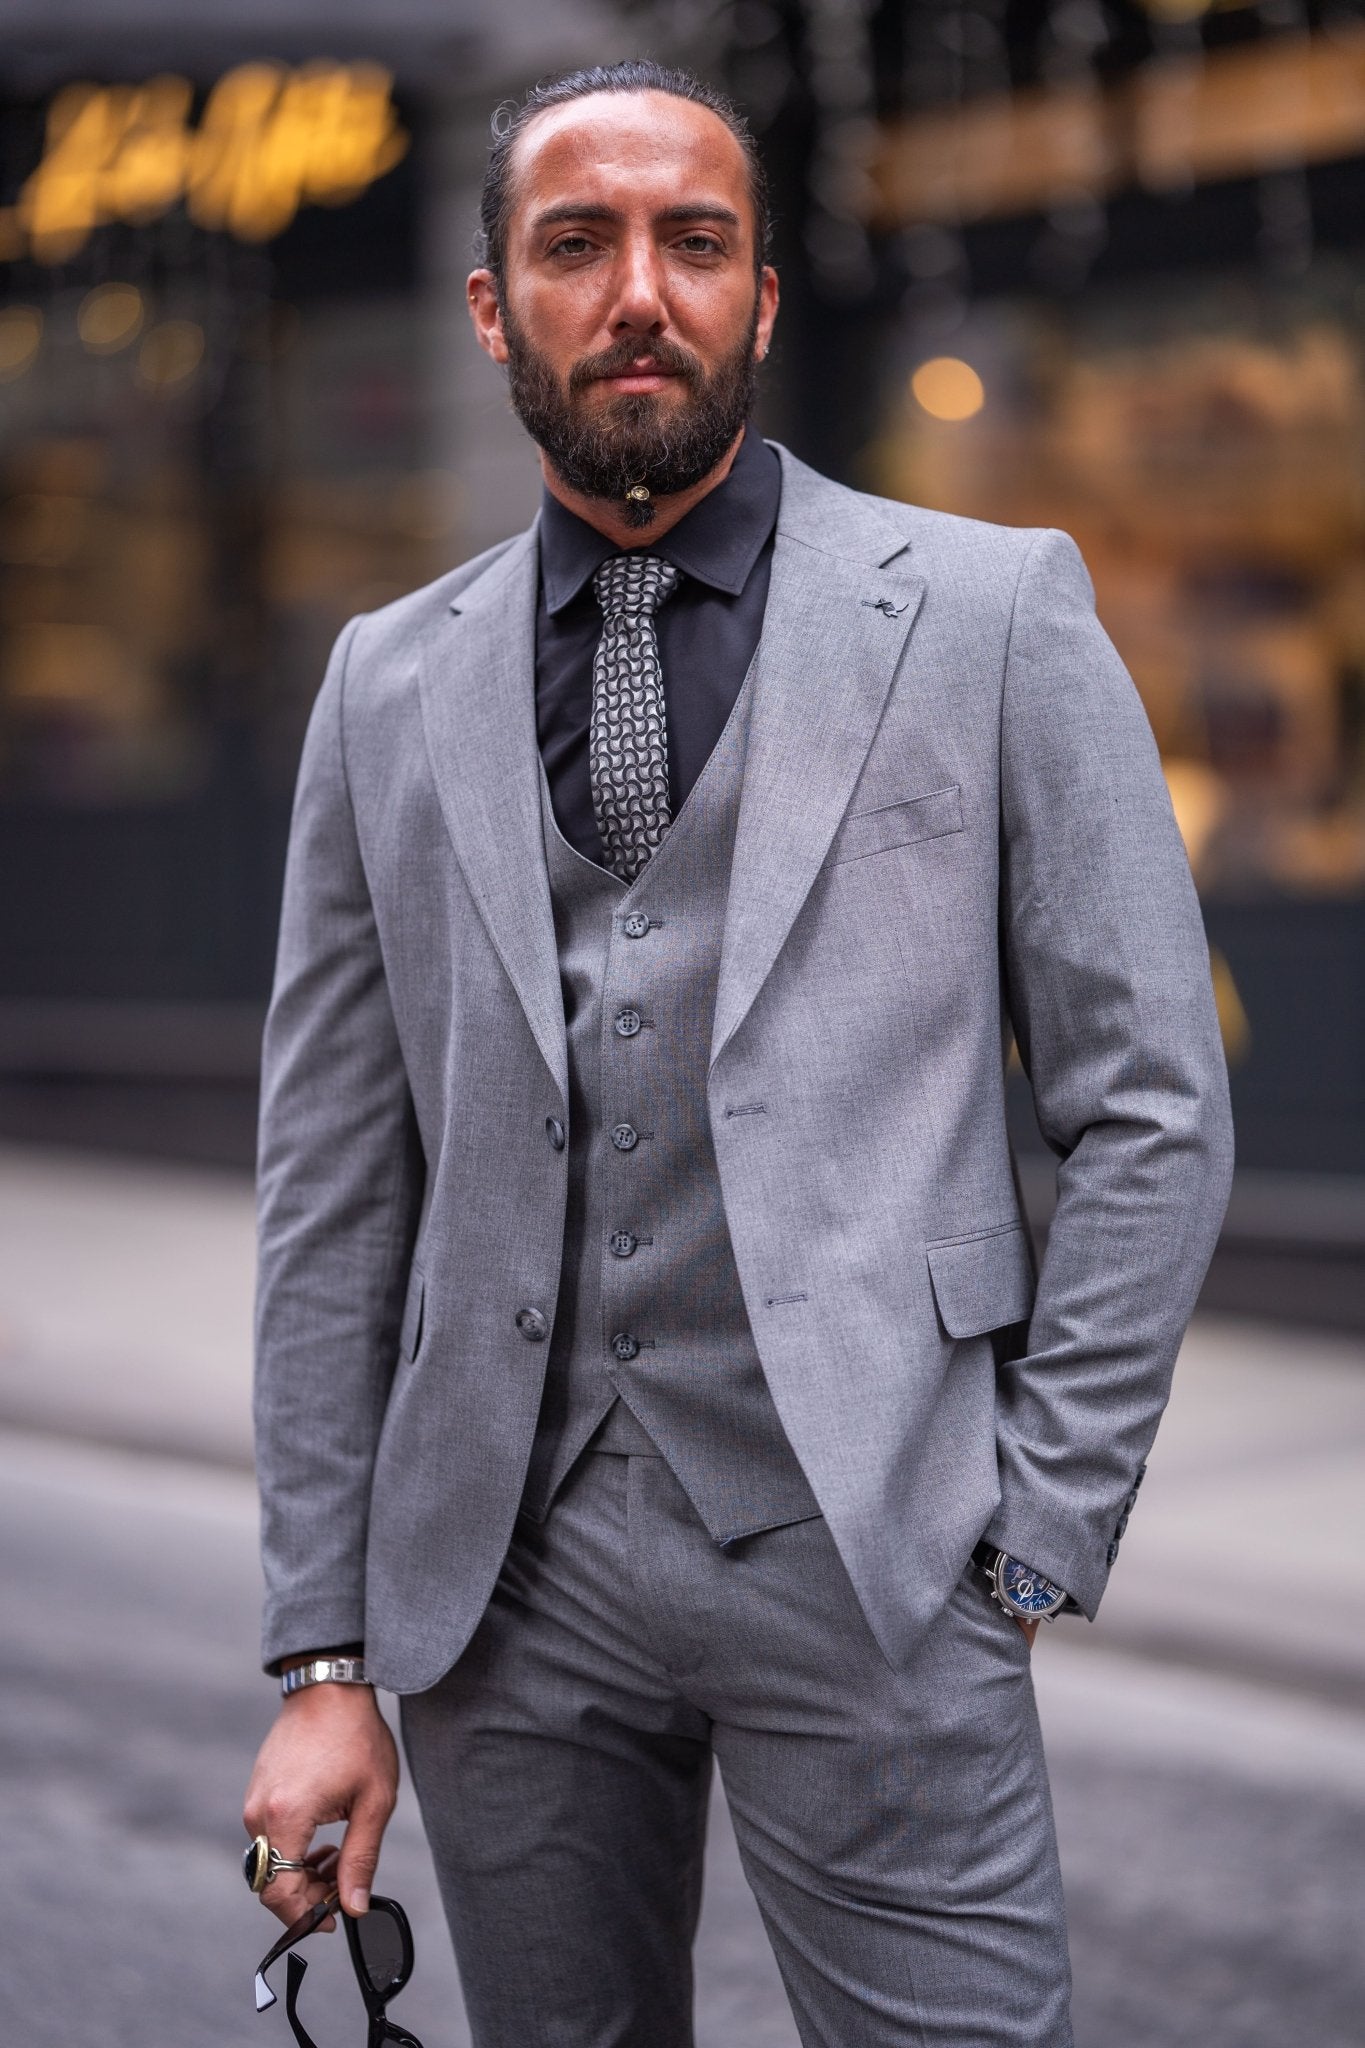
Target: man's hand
{"type": "Point", "coordinates": [1030, 1628]}
{"type": "Point", "coordinates": [329, 1757]}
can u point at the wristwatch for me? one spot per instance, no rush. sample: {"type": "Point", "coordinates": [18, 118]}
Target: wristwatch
{"type": "Point", "coordinates": [1021, 1591]}
{"type": "Point", "coordinates": [324, 1671]}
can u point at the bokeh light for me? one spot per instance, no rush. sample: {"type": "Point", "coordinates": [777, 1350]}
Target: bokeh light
{"type": "Point", "coordinates": [110, 317]}
{"type": "Point", "coordinates": [21, 332]}
{"type": "Point", "coordinates": [170, 354]}
{"type": "Point", "coordinates": [948, 389]}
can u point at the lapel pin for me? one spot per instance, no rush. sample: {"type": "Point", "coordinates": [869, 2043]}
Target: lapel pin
{"type": "Point", "coordinates": [886, 606]}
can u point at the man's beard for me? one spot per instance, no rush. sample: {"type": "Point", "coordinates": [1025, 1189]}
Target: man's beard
{"type": "Point", "coordinates": [632, 441]}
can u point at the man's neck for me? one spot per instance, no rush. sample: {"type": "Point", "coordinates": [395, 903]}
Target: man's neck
{"type": "Point", "coordinates": [607, 518]}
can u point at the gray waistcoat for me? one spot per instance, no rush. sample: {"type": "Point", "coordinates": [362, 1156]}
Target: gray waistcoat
{"type": "Point", "coordinates": [650, 1306]}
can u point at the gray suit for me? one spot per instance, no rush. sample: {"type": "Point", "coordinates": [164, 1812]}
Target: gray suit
{"type": "Point", "coordinates": [952, 822]}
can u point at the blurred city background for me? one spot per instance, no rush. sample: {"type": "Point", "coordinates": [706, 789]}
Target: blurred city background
{"type": "Point", "coordinates": [1096, 264]}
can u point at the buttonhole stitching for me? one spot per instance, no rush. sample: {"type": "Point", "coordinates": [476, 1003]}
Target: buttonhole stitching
{"type": "Point", "coordinates": [749, 1109]}
{"type": "Point", "coordinates": [781, 1300]}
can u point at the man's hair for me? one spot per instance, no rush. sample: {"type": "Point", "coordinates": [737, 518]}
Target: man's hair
{"type": "Point", "coordinates": [637, 74]}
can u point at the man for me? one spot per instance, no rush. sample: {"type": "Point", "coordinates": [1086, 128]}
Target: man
{"type": "Point", "coordinates": [650, 1359]}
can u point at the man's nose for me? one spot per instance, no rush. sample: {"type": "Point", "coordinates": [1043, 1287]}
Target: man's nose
{"type": "Point", "coordinates": [638, 305]}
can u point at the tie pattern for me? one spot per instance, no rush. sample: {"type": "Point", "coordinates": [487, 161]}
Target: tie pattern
{"type": "Point", "coordinates": [627, 739]}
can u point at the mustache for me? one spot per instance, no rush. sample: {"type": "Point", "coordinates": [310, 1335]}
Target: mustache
{"type": "Point", "coordinates": [617, 360]}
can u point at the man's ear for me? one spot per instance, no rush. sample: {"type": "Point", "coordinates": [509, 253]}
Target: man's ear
{"type": "Point", "coordinates": [767, 310]}
{"type": "Point", "coordinates": [485, 311]}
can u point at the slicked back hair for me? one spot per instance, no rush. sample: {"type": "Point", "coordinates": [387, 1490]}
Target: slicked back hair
{"type": "Point", "coordinates": [638, 74]}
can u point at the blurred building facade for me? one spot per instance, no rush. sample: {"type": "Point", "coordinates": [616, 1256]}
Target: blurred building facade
{"type": "Point", "coordinates": [237, 404]}
{"type": "Point", "coordinates": [1084, 263]}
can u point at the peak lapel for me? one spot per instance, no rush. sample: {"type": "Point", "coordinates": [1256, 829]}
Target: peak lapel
{"type": "Point", "coordinates": [478, 707]}
{"type": "Point", "coordinates": [833, 635]}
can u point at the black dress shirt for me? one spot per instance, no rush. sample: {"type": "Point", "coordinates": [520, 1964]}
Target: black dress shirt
{"type": "Point", "coordinates": [708, 630]}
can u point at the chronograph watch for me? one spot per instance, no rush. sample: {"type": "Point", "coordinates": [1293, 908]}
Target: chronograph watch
{"type": "Point", "coordinates": [1019, 1589]}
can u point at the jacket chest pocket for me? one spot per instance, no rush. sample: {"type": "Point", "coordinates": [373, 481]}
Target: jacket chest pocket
{"type": "Point", "coordinates": [901, 824]}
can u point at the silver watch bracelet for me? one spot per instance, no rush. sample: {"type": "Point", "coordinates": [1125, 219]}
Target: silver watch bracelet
{"type": "Point", "coordinates": [323, 1671]}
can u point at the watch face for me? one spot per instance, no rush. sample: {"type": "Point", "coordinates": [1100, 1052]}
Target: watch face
{"type": "Point", "coordinates": [1027, 1591]}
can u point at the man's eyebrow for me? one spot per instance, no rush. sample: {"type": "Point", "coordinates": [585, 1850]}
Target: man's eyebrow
{"type": "Point", "coordinates": [674, 216]}
{"type": "Point", "coordinates": [677, 215]}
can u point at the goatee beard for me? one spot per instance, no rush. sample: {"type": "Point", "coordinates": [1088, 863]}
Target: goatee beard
{"type": "Point", "coordinates": [632, 442]}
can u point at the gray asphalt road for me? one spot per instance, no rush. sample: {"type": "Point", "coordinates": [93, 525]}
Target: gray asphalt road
{"type": "Point", "coordinates": [1213, 1831]}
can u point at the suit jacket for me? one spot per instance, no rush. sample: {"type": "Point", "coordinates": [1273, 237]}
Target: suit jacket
{"type": "Point", "coordinates": [953, 826]}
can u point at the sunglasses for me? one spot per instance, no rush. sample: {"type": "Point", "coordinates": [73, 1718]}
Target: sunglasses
{"type": "Point", "coordinates": [381, 1956]}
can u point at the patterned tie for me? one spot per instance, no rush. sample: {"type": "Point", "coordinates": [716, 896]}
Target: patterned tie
{"type": "Point", "coordinates": [627, 740]}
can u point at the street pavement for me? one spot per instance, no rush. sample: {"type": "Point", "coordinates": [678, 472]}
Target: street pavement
{"type": "Point", "coordinates": [1206, 1737]}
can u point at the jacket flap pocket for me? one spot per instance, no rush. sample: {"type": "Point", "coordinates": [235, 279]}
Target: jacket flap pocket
{"type": "Point", "coordinates": [983, 1283]}
{"type": "Point", "coordinates": [919, 817]}
{"type": "Point", "coordinates": [410, 1334]}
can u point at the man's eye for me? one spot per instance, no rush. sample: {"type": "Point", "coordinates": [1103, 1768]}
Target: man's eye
{"type": "Point", "coordinates": [571, 245]}
{"type": "Point", "coordinates": [700, 245]}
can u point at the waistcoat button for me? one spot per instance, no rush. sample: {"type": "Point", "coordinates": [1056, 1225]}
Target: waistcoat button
{"type": "Point", "coordinates": [532, 1325]}
{"type": "Point", "coordinates": [625, 1137]}
{"type": "Point", "coordinates": [554, 1131]}
{"type": "Point", "coordinates": [623, 1243]}
{"type": "Point", "coordinates": [624, 1345]}
{"type": "Point", "coordinates": [635, 924]}
{"type": "Point", "coordinates": [627, 1023]}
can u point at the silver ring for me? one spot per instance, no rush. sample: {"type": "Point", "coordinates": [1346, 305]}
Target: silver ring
{"type": "Point", "coordinates": [261, 1864]}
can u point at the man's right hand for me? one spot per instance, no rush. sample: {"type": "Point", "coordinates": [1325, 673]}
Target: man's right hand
{"type": "Point", "coordinates": [329, 1757]}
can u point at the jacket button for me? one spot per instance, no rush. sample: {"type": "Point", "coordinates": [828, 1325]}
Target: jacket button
{"type": "Point", "coordinates": [625, 1137]}
{"type": "Point", "coordinates": [623, 1243]}
{"type": "Point", "coordinates": [1111, 1553]}
{"type": "Point", "coordinates": [627, 1023]}
{"type": "Point", "coordinates": [635, 924]}
{"type": "Point", "coordinates": [532, 1325]}
{"type": "Point", "coordinates": [554, 1131]}
{"type": "Point", "coordinates": [624, 1346]}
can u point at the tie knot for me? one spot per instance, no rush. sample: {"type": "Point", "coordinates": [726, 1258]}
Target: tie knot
{"type": "Point", "coordinates": [634, 583]}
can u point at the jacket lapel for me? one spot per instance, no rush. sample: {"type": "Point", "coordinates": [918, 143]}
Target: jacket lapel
{"type": "Point", "coordinates": [841, 606]}
{"type": "Point", "coordinates": [478, 708]}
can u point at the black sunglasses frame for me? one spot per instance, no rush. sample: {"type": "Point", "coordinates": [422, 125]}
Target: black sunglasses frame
{"type": "Point", "coordinates": [382, 2030]}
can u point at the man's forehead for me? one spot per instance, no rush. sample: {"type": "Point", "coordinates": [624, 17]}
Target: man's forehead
{"type": "Point", "coordinates": [603, 134]}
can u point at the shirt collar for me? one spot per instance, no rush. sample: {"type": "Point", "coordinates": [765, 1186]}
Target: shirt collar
{"type": "Point", "coordinates": [716, 543]}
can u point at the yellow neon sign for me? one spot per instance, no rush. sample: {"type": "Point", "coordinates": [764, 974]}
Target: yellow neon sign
{"type": "Point", "coordinates": [270, 140]}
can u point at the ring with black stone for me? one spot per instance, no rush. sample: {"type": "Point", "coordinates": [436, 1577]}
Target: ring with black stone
{"type": "Point", "coordinates": [261, 1864]}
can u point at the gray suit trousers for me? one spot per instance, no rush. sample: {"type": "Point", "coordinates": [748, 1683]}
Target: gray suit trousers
{"type": "Point", "coordinates": [896, 1827]}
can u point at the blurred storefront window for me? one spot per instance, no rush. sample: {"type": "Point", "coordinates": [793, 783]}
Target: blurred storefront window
{"type": "Point", "coordinates": [1205, 444]}
{"type": "Point", "coordinates": [214, 449]}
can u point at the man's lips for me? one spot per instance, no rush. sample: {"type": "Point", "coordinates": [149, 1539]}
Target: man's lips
{"type": "Point", "coordinates": [643, 376]}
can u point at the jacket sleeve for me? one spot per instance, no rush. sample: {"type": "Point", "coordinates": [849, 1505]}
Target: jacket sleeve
{"type": "Point", "coordinates": [1109, 992]}
{"type": "Point", "coordinates": [339, 1188]}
